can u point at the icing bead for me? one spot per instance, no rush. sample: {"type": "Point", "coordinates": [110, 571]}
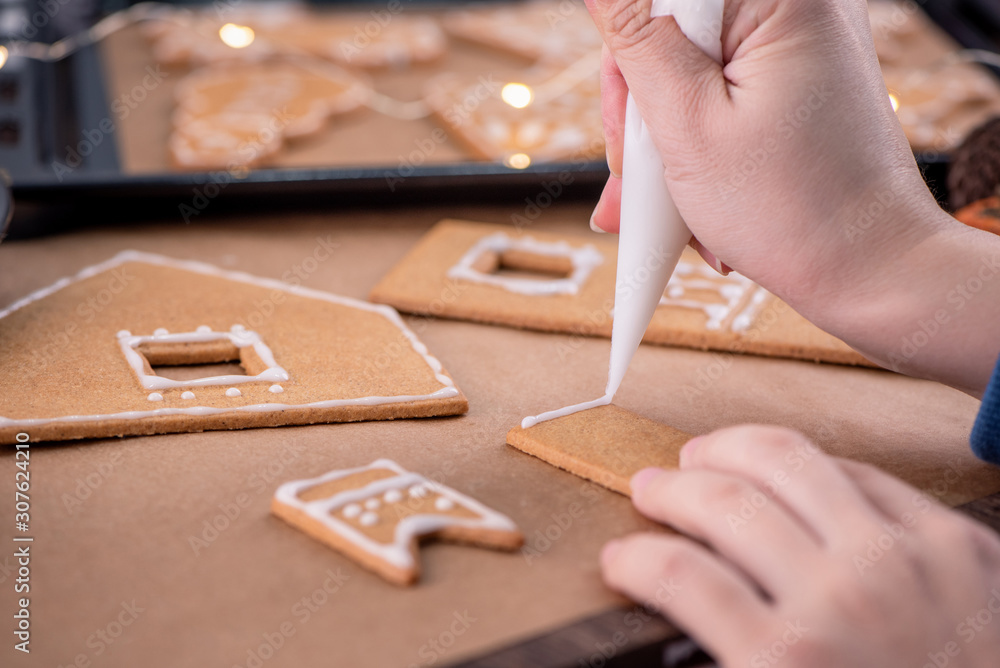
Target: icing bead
{"type": "Point", "coordinates": [276, 389]}
{"type": "Point", "coordinates": [187, 395]}
{"type": "Point", "coordinates": [368, 519]}
{"type": "Point", "coordinates": [352, 510]}
{"type": "Point", "coordinates": [233, 392]}
{"type": "Point", "coordinates": [203, 329]}
{"type": "Point", "coordinates": [393, 496]}
{"type": "Point", "coordinates": [160, 331]}
{"type": "Point", "coordinates": [372, 504]}
{"type": "Point", "coordinates": [155, 396]}
{"type": "Point", "coordinates": [418, 491]}
{"type": "Point", "coordinates": [444, 503]}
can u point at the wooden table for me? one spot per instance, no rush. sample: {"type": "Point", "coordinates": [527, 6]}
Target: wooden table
{"type": "Point", "coordinates": [112, 519]}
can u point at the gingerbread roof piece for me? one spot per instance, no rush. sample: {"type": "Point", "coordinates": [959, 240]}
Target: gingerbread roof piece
{"type": "Point", "coordinates": [91, 356]}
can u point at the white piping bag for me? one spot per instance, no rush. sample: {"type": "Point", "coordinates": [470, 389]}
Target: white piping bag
{"type": "Point", "coordinates": [653, 234]}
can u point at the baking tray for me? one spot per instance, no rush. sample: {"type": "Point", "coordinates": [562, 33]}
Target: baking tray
{"type": "Point", "coordinates": [45, 106]}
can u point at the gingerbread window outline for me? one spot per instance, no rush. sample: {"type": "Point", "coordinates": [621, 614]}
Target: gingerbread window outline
{"type": "Point", "coordinates": [238, 336]}
{"type": "Point", "coordinates": [583, 260]}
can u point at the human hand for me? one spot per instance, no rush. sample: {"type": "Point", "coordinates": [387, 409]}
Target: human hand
{"type": "Point", "coordinates": [796, 556]}
{"type": "Point", "coordinates": [789, 165]}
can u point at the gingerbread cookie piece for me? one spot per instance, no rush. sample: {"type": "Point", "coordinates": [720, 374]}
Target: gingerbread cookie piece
{"type": "Point", "coordinates": [367, 40]}
{"type": "Point", "coordinates": [128, 347]}
{"type": "Point", "coordinates": [560, 119]}
{"type": "Point", "coordinates": [377, 514]}
{"type": "Point", "coordinates": [553, 31]}
{"type": "Point", "coordinates": [607, 445]}
{"type": "Point", "coordinates": [238, 116]}
{"type": "Point", "coordinates": [499, 275]}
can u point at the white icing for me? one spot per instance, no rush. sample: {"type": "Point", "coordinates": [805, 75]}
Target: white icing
{"type": "Point", "coordinates": [447, 390]}
{"type": "Point", "coordinates": [372, 504]}
{"type": "Point", "coordinates": [202, 329]}
{"type": "Point", "coordinates": [443, 503]}
{"type": "Point", "coordinates": [187, 395]}
{"type": "Point", "coordinates": [393, 496]}
{"type": "Point", "coordinates": [418, 491]}
{"type": "Point", "coordinates": [233, 392]}
{"type": "Point", "coordinates": [160, 332]}
{"type": "Point", "coordinates": [240, 338]}
{"type": "Point", "coordinates": [583, 259]}
{"type": "Point", "coordinates": [155, 396]}
{"type": "Point", "coordinates": [732, 290]}
{"type": "Point", "coordinates": [276, 389]}
{"type": "Point", "coordinates": [568, 410]}
{"type": "Point", "coordinates": [368, 519]}
{"type": "Point", "coordinates": [352, 510]}
{"type": "Point", "coordinates": [123, 332]}
{"type": "Point", "coordinates": [407, 530]}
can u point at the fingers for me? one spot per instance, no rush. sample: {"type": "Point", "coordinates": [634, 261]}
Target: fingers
{"type": "Point", "coordinates": [700, 593]}
{"type": "Point", "coordinates": [793, 471]}
{"type": "Point", "coordinates": [660, 63]}
{"type": "Point", "coordinates": [613, 95]}
{"type": "Point", "coordinates": [737, 519]}
{"type": "Point", "coordinates": [891, 496]}
{"type": "Point", "coordinates": [607, 213]}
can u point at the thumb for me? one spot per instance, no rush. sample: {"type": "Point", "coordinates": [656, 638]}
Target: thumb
{"type": "Point", "coordinates": [673, 82]}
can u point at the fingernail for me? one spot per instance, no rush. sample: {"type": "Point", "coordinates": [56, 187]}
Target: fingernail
{"type": "Point", "coordinates": [687, 451]}
{"type": "Point", "coordinates": [607, 158]}
{"type": "Point", "coordinates": [642, 478]}
{"type": "Point", "coordinates": [593, 225]}
{"type": "Point", "coordinates": [610, 549]}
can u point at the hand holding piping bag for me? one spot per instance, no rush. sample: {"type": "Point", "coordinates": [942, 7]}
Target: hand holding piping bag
{"type": "Point", "coordinates": [776, 160]}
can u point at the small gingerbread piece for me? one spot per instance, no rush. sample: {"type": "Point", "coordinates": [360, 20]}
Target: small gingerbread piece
{"type": "Point", "coordinates": [607, 445]}
{"type": "Point", "coordinates": [377, 514]}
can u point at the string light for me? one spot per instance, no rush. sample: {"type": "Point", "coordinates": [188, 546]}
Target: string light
{"type": "Point", "coordinates": [517, 95]}
{"type": "Point", "coordinates": [236, 36]}
{"type": "Point", "coordinates": [519, 161]}
{"type": "Point", "coordinates": [894, 101]}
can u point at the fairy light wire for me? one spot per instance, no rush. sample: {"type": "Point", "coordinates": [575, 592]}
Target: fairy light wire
{"type": "Point", "coordinates": [557, 85]}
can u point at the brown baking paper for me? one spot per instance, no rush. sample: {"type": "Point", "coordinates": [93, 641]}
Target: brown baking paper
{"type": "Point", "coordinates": [161, 551]}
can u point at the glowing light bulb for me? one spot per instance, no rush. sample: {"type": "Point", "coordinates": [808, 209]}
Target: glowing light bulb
{"type": "Point", "coordinates": [894, 101]}
{"type": "Point", "coordinates": [236, 36]}
{"type": "Point", "coordinates": [519, 161]}
{"type": "Point", "coordinates": [516, 95]}
{"type": "Point", "coordinates": [4, 54]}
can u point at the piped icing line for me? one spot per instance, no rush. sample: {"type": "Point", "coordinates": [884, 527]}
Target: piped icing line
{"type": "Point", "coordinates": [397, 552]}
{"type": "Point", "coordinates": [241, 338]}
{"type": "Point", "coordinates": [443, 393]}
{"type": "Point", "coordinates": [584, 260]}
{"type": "Point", "coordinates": [447, 391]}
{"type": "Point", "coordinates": [732, 289]}
{"type": "Point", "coordinates": [531, 421]}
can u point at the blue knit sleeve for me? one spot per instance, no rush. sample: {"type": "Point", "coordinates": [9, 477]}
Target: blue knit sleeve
{"type": "Point", "coordinates": [985, 437]}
